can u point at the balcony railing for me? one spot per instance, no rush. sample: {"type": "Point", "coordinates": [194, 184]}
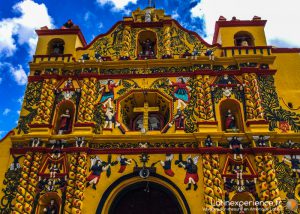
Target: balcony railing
{"type": "Point", "coordinates": [249, 50]}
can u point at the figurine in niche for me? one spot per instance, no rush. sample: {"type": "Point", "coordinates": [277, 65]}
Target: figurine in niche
{"type": "Point", "coordinates": [98, 57]}
{"type": "Point", "coordinates": [84, 57]}
{"type": "Point", "coordinates": [148, 15]}
{"type": "Point", "coordinates": [51, 208]}
{"type": "Point", "coordinates": [147, 48]}
{"type": "Point", "coordinates": [97, 168]}
{"type": "Point", "coordinates": [195, 53]}
{"type": "Point", "coordinates": [230, 121]}
{"type": "Point", "coordinates": [154, 123]}
{"type": "Point", "coordinates": [261, 141]}
{"type": "Point", "coordinates": [191, 177]}
{"type": "Point", "coordinates": [79, 141]}
{"type": "Point", "coordinates": [58, 48]}
{"type": "Point", "coordinates": [35, 142]}
{"type": "Point", "coordinates": [57, 144]}
{"type": "Point", "coordinates": [238, 170]}
{"type": "Point", "coordinates": [181, 91]}
{"type": "Point", "coordinates": [123, 163]}
{"type": "Point", "coordinates": [108, 93]}
{"type": "Point", "coordinates": [167, 165]}
{"type": "Point", "coordinates": [53, 170]}
{"type": "Point", "coordinates": [208, 141]}
{"type": "Point", "coordinates": [109, 118]}
{"type": "Point", "coordinates": [65, 122]}
{"type": "Point", "coordinates": [236, 145]}
{"type": "Point", "coordinates": [210, 54]}
{"type": "Point", "coordinates": [15, 165]}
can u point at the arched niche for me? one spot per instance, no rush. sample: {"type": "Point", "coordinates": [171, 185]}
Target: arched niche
{"type": "Point", "coordinates": [45, 203]}
{"type": "Point", "coordinates": [247, 201]}
{"type": "Point", "coordinates": [243, 39]}
{"type": "Point", "coordinates": [236, 113]}
{"type": "Point", "coordinates": [56, 47]}
{"type": "Point", "coordinates": [63, 124]}
{"type": "Point", "coordinates": [147, 45]}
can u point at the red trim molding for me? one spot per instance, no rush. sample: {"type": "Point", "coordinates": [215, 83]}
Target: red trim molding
{"type": "Point", "coordinates": [207, 123]}
{"type": "Point", "coordinates": [84, 125]}
{"type": "Point", "coordinates": [40, 125]}
{"type": "Point", "coordinates": [285, 50]}
{"type": "Point", "coordinates": [63, 32]}
{"type": "Point", "coordinates": [257, 122]}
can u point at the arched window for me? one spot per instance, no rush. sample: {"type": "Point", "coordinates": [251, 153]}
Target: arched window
{"type": "Point", "coordinates": [231, 116]}
{"type": "Point", "coordinates": [56, 47]}
{"type": "Point", "coordinates": [243, 39]}
{"type": "Point", "coordinates": [244, 203]}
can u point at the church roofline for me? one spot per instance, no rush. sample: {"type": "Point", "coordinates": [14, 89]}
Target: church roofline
{"type": "Point", "coordinates": [44, 32]}
{"type": "Point", "coordinates": [147, 24]}
{"type": "Point", "coordinates": [256, 21]}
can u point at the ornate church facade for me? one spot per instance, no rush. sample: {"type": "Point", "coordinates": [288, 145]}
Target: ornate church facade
{"type": "Point", "coordinates": [150, 118]}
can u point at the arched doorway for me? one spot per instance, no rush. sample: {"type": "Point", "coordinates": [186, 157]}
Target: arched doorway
{"type": "Point", "coordinates": [145, 197]}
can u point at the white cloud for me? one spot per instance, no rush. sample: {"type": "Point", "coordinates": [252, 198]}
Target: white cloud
{"type": "Point", "coordinates": [117, 4]}
{"type": "Point", "coordinates": [6, 111]}
{"type": "Point", "coordinates": [175, 14]}
{"type": "Point", "coordinates": [18, 112]}
{"type": "Point", "coordinates": [19, 74]}
{"type": "Point", "coordinates": [20, 29]}
{"type": "Point", "coordinates": [20, 100]}
{"type": "Point", "coordinates": [282, 16]}
{"type": "Point", "coordinates": [100, 25]}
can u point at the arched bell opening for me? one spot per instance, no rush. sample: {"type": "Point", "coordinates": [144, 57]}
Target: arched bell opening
{"type": "Point", "coordinates": [49, 203]}
{"type": "Point", "coordinates": [231, 116]}
{"type": "Point", "coordinates": [56, 47]}
{"type": "Point", "coordinates": [64, 117]}
{"type": "Point", "coordinates": [147, 45]}
{"type": "Point", "coordinates": [243, 39]}
{"type": "Point", "coordinates": [243, 202]}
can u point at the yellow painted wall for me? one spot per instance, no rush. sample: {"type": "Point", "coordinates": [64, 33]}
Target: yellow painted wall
{"type": "Point", "coordinates": [226, 35]}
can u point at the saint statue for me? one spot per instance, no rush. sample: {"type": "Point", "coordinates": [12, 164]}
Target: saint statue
{"type": "Point", "coordinates": [147, 47]}
{"type": "Point", "coordinates": [229, 120]}
{"type": "Point", "coordinates": [52, 208]}
{"type": "Point", "coordinates": [108, 93]}
{"type": "Point", "coordinates": [181, 92]}
{"type": "Point", "coordinates": [65, 121]}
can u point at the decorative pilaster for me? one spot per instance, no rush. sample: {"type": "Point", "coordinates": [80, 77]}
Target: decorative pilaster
{"type": "Point", "coordinates": [47, 101]}
{"type": "Point", "coordinates": [167, 40]}
{"type": "Point", "coordinates": [126, 41]}
{"type": "Point", "coordinates": [267, 184]}
{"type": "Point", "coordinates": [205, 105]}
{"type": "Point", "coordinates": [213, 193]}
{"type": "Point", "coordinates": [28, 183]}
{"type": "Point", "coordinates": [76, 183]}
{"type": "Point", "coordinates": [87, 102]}
{"type": "Point", "coordinates": [254, 109]}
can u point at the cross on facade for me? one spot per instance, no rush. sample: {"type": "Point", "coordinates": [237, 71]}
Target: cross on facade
{"type": "Point", "coordinates": [145, 110]}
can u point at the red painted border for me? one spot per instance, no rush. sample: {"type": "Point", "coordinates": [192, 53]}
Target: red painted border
{"type": "Point", "coordinates": [84, 125]}
{"type": "Point", "coordinates": [257, 122]}
{"type": "Point", "coordinates": [165, 74]}
{"type": "Point", "coordinates": [62, 32]}
{"type": "Point", "coordinates": [133, 151]}
{"type": "Point", "coordinates": [236, 23]}
{"type": "Point", "coordinates": [285, 50]}
{"type": "Point", "coordinates": [207, 123]}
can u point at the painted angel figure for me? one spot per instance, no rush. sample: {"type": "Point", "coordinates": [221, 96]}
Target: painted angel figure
{"type": "Point", "coordinates": [123, 163]}
{"type": "Point", "coordinates": [261, 141]}
{"type": "Point", "coordinates": [97, 167]}
{"type": "Point", "coordinates": [167, 165]}
{"type": "Point", "coordinates": [236, 145]}
{"type": "Point", "coordinates": [181, 91]}
{"type": "Point", "coordinates": [108, 93]}
{"type": "Point", "coordinates": [191, 176]}
{"type": "Point", "coordinates": [79, 141]}
{"type": "Point", "coordinates": [35, 142]}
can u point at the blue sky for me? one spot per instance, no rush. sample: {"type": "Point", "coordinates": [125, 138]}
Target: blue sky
{"type": "Point", "coordinates": [19, 19]}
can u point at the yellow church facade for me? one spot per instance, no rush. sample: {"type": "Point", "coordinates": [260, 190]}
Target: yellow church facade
{"type": "Point", "coordinates": [150, 118]}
